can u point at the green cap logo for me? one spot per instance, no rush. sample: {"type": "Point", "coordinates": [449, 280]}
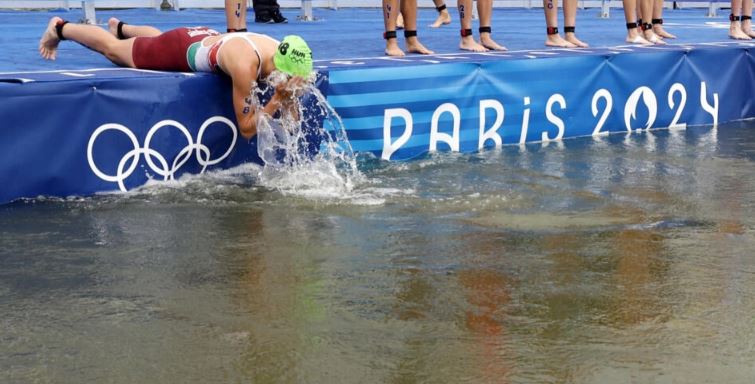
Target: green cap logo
{"type": "Point", "coordinates": [293, 56]}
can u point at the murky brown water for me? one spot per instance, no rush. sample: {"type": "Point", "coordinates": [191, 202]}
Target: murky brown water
{"type": "Point", "coordinates": [626, 260]}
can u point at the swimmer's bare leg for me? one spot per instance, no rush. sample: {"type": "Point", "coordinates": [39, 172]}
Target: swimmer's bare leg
{"type": "Point", "coordinates": [409, 10]}
{"type": "Point", "coordinates": [658, 20]}
{"type": "Point", "coordinates": [235, 15]}
{"type": "Point", "coordinates": [467, 42]}
{"type": "Point", "coordinates": [485, 11]}
{"type": "Point", "coordinates": [570, 24]}
{"type": "Point", "coordinates": [646, 9]}
{"type": "Point", "coordinates": [129, 30]}
{"type": "Point", "coordinates": [633, 34]}
{"type": "Point", "coordinates": [90, 36]}
{"type": "Point", "coordinates": [390, 14]}
{"type": "Point", "coordinates": [552, 38]}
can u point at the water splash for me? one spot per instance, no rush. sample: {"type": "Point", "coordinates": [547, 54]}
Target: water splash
{"type": "Point", "coordinates": [306, 151]}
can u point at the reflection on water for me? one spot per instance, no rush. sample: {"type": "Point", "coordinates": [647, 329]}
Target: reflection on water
{"type": "Point", "coordinates": [623, 259]}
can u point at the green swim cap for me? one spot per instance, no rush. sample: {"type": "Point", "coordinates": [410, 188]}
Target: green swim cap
{"type": "Point", "coordinates": [293, 56]}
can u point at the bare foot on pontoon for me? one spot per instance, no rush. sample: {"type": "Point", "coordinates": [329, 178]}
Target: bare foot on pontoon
{"type": "Point", "coordinates": [555, 40]}
{"type": "Point", "coordinates": [658, 29]}
{"type": "Point", "coordinates": [653, 38]}
{"type": "Point", "coordinates": [112, 26]}
{"type": "Point", "coordinates": [572, 38]}
{"type": "Point", "coordinates": [736, 33]}
{"type": "Point", "coordinates": [633, 37]}
{"type": "Point", "coordinates": [392, 48]}
{"type": "Point", "coordinates": [747, 28]}
{"type": "Point", "coordinates": [487, 42]}
{"type": "Point", "coordinates": [443, 18]}
{"type": "Point", "coordinates": [48, 44]}
{"type": "Point", "coordinates": [469, 44]}
{"type": "Point", "coordinates": [414, 46]}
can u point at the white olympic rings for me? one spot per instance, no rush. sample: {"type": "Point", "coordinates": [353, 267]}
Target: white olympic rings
{"type": "Point", "coordinates": [168, 173]}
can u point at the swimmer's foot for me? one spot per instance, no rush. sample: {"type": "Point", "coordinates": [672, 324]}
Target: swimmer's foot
{"type": "Point", "coordinates": [414, 46]}
{"type": "Point", "coordinates": [747, 27]}
{"type": "Point", "coordinates": [48, 44]}
{"type": "Point", "coordinates": [113, 27]}
{"type": "Point", "coordinates": [635, 38]}
{"type": "Point", "coordinates": [443, 18]}
{"type": "Point", "coordinates": [490, 44]}
{"type": "Point", "coordinates": [736, 33]}
{"type": "Point", "coordinates": [572, 38]}
{"type": "Point", "coordinates": [555, 40]}
{"type": "Point", "coordinates": [653, 38]}
{"type": "Point", "coordinates": [658, 29]}
{"type": "Point", "coordinates": [469, 44]}
{"type": "Point", "coordinates": [392, 48]}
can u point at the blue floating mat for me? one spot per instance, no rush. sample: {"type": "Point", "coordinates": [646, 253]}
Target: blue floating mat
{"type": "Point", "coordinates": [80, 125]}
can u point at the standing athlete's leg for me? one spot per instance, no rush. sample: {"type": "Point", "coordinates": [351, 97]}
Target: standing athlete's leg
{"type": "Point", "coordinates": [570, 23]}
{"type": "Point", "coordinates": [235, 15]}
{"type": "Point", "coordinates": [485, 11]}
{"type": "Point", "coordinates": [409, 10]}
{"type": "Point", "coordinates": [390, 14]}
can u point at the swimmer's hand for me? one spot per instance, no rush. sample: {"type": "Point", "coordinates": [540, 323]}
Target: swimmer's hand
{"type": "Point", "coordinates": [291, 88]}
{"type": "Point", "coordinates": [287, 95]}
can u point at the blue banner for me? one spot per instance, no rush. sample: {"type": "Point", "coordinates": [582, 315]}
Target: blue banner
{"type": "Point", "coordinates": [80, 132]}
{"type": "Point", "coordinates": [70, 133]}
{"type": "Point", "coordinates": [401, 112]}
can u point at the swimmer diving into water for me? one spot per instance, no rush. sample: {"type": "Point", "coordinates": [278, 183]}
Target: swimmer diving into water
{"type": "Point", "coordinates": [245, 57]}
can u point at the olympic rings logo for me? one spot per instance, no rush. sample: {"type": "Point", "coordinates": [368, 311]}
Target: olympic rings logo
{"type": "Point", "coordinates": [128, 163]}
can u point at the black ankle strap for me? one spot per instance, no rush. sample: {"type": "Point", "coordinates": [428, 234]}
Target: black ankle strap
{"type": "Point", "coordinates": [734, 18]}
{"type": "Point", "coordinates": [389, 35]}
{"type": "Point", "coordinates": [486, 29]}
{"type": "Point", "coordinates": [745, 17]}
{"type": "Point", "coordinates": [441, 8]}
{"type": "Point", "coordinates": [408, 33]}
{"type": "Point", "coordinates": [552, 30]}
{"type": "Point", "coordinates": [657, 21]}
{"type": "Point", "coordinates": [231, 30]}
{"type": "Point", "coordinates": [121, 36]}
{"type": "Point", "coordinates": [631, 25]}
{"type": "Point", "coordinates": [59, 29]}
{"type": "Point", "coordinates": [570, 29]}
{"type": "Point", "coordinates": [466, 32]}
{"type": "Point", "coordinates": [647, 26]}
{"type": "Point", "coordinates": [639, 22]}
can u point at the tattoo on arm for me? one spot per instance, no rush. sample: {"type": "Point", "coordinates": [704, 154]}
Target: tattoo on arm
{"type": "Point", "coordinates": [251, 101]}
